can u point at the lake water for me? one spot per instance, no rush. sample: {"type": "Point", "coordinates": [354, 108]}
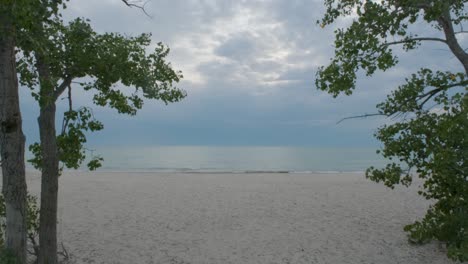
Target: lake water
{"type": "Point", "coordinates": [238, 159]}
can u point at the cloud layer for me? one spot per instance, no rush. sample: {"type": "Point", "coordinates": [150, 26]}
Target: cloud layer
{"type": "Point", "coordinates": [249, 70]}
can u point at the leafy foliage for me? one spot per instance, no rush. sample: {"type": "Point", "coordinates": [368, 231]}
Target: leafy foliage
{"type": "Point", "coordinates": [430, 139]}
{"type": "Point", "coordinates": [108, 61]}
{"type": "Point", "coordinates": [7, 257]}
{"type": "Point", "coordinates": [71, 142]}
{"type": "Point", "coordinates": [28, 17]}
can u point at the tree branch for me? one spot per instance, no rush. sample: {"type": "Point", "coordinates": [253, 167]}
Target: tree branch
{"type": "Point", "coordinates": [70, 102]}
{"type": "Point", "coordinates": [445, 21]}
{"type": "Point", "coordinates": [426, 96]}
{"type": "Point", "coordinates": [66, 83]}
{"type": "Point", "coordinates": [70, 108]}
{"type": "Point", "coordinates": [419, 4]}
{"type": "Point", "coordinates": [429, 95]}
{"type": "Point", "coordinates": [433, 92]}
{"type": "Point", "coordinates": [133, 4]}
{"type": "Point", "coordinates": [360, 116]}
{"type": "Point", "coordinates": [414, 39]}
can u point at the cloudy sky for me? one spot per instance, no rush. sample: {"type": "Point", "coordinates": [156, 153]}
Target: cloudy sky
{"type": "Point", "coordinates": [249, 69]}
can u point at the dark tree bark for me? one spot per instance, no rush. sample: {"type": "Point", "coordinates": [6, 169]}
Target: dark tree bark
{"type": "Point", "coordinates": [50, 169]}
{"type": "Point", "coordinates": [445, 21]}
{"type": "Point", "coordinates": [12, 143]}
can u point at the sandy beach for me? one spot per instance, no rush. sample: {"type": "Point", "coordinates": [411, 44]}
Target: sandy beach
{"type": "Point", "coordinates": [120, 217]}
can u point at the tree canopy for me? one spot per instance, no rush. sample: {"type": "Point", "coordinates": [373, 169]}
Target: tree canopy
{"type": "Point", "coordinates": [108, 60]}
{"type": "Point", "coordinates": [429, 139]}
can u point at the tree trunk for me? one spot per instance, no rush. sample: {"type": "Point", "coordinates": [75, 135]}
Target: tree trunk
{"type": "Point", "coordinates": [49, 187]}
{"type": "Point", "coordinates": [12, 142]}
{"type": "Point", "coordinates": [50, 171]}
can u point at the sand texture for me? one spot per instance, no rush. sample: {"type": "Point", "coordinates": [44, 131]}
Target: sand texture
{"type": "Point", "coordinates": [173, 218]}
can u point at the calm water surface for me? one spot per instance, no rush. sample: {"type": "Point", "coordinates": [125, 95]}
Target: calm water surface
{"type": "Point", "coordinates": [238, 159]}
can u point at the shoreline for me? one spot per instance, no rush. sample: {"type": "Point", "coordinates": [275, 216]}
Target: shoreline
{"type": "Point", "coordinates": [204, 171]}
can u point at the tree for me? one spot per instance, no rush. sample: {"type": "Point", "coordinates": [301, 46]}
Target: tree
{"type": "Point", "coordinates": [12, 139]}
{"type": "Point", "coordinates": [429, 139]}
{"type": "Point", "coordinates": [15, 16]}
{"type": "Point", "coordinates": [73, 52]}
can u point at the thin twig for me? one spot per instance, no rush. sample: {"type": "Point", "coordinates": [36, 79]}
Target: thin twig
{"type": "Point", "coordinates": [35, 246]}
{"type": "Point", "coordinates": [81, 83]}
{"type": "Point", "coordinates": [70, 102]}
{"type": "Point", "coordinates": [414, 39]}
{"type": "Point", "coordinates": [64, 252]}
{"type": "Point", "coordinates": [70, 108]}
{"type": "Point", "coordinates": [141, 7]}
{"type": "Point", "coordinates": [360, 116]}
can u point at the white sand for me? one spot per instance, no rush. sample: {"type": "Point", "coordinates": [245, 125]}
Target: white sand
{"type": "Point", "coordinates": [237, 218]}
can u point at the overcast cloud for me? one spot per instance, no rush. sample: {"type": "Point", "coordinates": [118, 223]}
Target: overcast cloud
{"type": "Point", "coordinates": [249, 69]}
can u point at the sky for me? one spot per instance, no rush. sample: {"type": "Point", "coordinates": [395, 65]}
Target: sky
{"type": "Point", "coordinates": [249, 69]}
